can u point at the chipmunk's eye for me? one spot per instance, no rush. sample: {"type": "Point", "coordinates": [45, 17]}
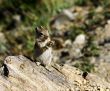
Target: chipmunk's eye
{"type": "Point", "coordinates": [38, 31]}
{"type": "Point", "coordinates": [38, 34]}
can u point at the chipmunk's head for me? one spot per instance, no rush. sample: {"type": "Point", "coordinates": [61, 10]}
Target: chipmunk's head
{"type": "Point", "coordinates": [41, 34]}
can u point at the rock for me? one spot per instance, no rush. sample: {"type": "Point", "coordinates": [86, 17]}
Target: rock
{"type": "Point", "coordinates": [102, 69]}
{"type": "Point", "coordinates": [77, 46]}
{"type": "Point", "coordinates": [80, 40]}
{"type": "Point", "coordinates": [63, 20]}
{"type": "Point", "coordinates": [108, 21]}
{"type": "Point", "coordinates": [99, 9]}
{"type": "Point", "coordinates": [60, 22]}
{"type": "Point", "coordinates": [75, 53]}
{"type": "Point", "coordinates": [68, 43]}
{"type": "Point", "coordinates": [107, 32]}
{"type": "Point", "coordinates": [17, 18]}
{"type": "Point", "coordinates": [69, 14]}
{"type": "Point", "coordinates": [102, 35]}
{"type": "Point", "coordinates": [25, 75]}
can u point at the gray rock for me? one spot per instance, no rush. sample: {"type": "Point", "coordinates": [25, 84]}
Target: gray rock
{"type": "Point", "coordinates": [77, 46]}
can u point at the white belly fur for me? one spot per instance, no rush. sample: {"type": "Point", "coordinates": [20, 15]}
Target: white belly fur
{"type": "Point", "coordinates": [46, 57]}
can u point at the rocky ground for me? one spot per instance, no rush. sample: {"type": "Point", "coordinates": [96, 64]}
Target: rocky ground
{"type": "Point", "coordinates": [25, 75]}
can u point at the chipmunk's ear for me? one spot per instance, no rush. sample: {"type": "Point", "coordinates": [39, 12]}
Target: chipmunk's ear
{"type": "Point", "coordinates": [39, 28]}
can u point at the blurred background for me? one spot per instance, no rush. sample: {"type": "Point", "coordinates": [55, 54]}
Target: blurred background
{"type": "Point", "coordinates": [80, 29]}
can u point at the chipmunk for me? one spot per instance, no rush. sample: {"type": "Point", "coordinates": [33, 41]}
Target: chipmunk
{"type": "Point", "coordinates": [43, 47]}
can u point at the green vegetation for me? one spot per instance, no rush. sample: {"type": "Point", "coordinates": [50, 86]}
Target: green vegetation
{"type": "Point", "coordinates": [85, 65]}
{"type": "Point", "coordinates": [39, 11]}
{"type": "Point", "coordinates": [2, 48]}
{"type": "Point", "coordinates": [81, 2]}
{"type": "Point", "coordinates": [91, 49]}
{"type": "Point", "coordinates": [32, 13]}
{"type": "Point", "coordinates": [94, 50]}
